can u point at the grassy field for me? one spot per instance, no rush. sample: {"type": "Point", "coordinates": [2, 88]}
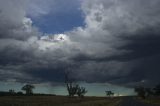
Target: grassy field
{"type": "Point", "coordinates": [57, 101]}
{"type": "Point", "coordinates": [151, 100]}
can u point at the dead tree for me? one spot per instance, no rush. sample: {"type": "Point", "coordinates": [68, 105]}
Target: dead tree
{"type": "Point", "coordinates": [81, 92]}
{"type": "Point", "coordinates": [71, 87]}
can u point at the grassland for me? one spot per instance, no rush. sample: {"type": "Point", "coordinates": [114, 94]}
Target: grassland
{"type": "Point", "coordinates": [57, 101]}
{"type": "Point", "coordinates": [152, 100]}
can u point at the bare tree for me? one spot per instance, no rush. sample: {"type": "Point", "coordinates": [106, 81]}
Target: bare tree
{"type": "Point", "coordinates": [74, 88]}
{"type": "Point", "coordinates": [81, 91]}
{"type": "Point", "coordinates": [71, 87]}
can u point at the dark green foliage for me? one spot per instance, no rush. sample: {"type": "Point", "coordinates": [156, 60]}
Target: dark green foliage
{"type": "Point", "coordinates": [157, 90]}
{"type": "Point", "coordinates": [146, 92]}
{"type": "Point", "coordinates": [109, 93]}
{"type": "Point", "coordinates": [140, 92]}
{"type": "Point", "coordinates": [11, 91]}
{"type": "Point", "coordinates": [28, 89]}
{"type": "Point", "coordinates": [19, 93]}
{"type": "Point", "coordinates": [149, 92]}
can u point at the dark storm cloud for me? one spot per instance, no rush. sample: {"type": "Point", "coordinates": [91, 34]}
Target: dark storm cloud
{"type": "Point", "coordinates": [119, 44]}
{"type": "Point", "coordinates": [125, 37]}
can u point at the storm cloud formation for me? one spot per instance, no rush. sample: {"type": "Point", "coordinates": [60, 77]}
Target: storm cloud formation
{"type": "Point", "coordinates": [119, 44]}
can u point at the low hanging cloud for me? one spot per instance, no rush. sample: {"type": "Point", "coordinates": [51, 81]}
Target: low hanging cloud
{"type": "Point", "coordinates": [119, 44]}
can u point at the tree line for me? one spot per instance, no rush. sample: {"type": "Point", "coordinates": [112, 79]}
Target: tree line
{"type": "Point", "coordinates": [73, 89]}
{"type": "Point", "coordinates": [147, 92]}
{"type": "Point", "coordinates": [28, 88]}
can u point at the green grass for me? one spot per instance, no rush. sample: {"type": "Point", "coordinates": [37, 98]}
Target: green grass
{"type": "Point", "coordinates": [57, 101]}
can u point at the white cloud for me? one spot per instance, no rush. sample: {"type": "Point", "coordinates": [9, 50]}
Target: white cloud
{"type": "Point", "coordinates": [27, 22]}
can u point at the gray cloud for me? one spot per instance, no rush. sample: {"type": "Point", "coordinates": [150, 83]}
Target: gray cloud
{"type": "Point", "coordinates": [123, 34]}
{"type": "Point", "coordinates": [119, 44]}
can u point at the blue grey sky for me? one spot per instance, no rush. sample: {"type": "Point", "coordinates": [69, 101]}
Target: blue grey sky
{"type": "Point", "coordinates": [64, 16]}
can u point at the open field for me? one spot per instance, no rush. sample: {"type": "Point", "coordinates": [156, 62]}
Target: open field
{"type": "Point", "coordinates": [66, 101]}
{"type": "Point", "coordinates": [57, 101]}
{"type": "Point", "coordinates": [152, 100]}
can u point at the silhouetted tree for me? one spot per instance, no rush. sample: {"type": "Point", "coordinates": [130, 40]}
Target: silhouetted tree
{"type": "Point", "coordinates": [157, 90]}
{"type": "Point", "coordinates": [28, 89]}
{"type": "Point", "coordinates": [140, 91]}
{"type": "Point", "coordinates": [19, 93]}
{"type": "Point", "coordinates": [148, 92]}
{"type": "Point", "coordinates": [71, 87]}
{"type": "Point", "coordinates": [81, 91]}
{"type": "Point", "coordinates": [11, 91]}
{"type": "Point", "coordinates": [109, 93]}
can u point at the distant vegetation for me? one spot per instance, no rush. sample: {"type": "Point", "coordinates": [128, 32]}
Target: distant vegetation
{"type": "Point", "coordinates": [28, 88]}
{"type": "Point", "coordinates": [11, 93]}
{"type": "Point", "coordinates": [109, 93]}
{"type": "Point", "coordinates": [147, 92]}
{"type": "Point", "coordinates": [74, 88]}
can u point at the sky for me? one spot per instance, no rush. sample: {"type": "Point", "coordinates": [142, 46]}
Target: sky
{"type": "Point", "coordinates": [102, 44]}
